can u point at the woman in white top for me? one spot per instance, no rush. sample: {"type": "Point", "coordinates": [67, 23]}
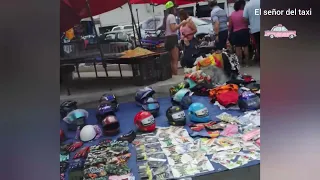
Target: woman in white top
{"type": "Point", "coordinates": [171, 32]}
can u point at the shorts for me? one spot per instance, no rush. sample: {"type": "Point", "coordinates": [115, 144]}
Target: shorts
{"type": "Point", "coordinates": [223, 37]}
{"type": "Point", "coordinates": [171, 42]}
{"type": "Point", "coordinates": [241, 38]}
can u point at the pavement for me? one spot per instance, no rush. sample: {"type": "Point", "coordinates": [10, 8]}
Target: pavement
{"type": "Point", "coordinates": [87, 90]}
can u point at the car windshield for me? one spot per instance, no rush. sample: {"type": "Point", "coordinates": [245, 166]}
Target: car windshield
{"type": "Point", "coordinates": [199, 22]}
{"type": "Point", "coordinates": [127, 27]}
{"type": "Point", "coordinates": [117, 28]}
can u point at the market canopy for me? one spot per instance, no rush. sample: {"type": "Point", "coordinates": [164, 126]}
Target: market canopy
{"type": "Point", "coordinates": [72, 11]}
{"type": "Point", "coordinates": [177, 2]}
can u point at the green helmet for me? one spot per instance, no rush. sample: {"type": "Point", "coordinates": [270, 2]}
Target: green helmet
{"type": "Point", "coordinates": [169, 5]}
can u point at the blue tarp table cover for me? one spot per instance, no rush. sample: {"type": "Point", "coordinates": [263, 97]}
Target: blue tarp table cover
{"type": "Point", "coordinates": [125, 115]}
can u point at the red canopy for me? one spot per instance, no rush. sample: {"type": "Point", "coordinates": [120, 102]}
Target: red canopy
{"type": "Point", "coordinates": [177, 2]}
{"type": "Point", "coordinates": [72, 11]}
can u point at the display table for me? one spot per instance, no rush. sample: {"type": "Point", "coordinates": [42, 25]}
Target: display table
{"type": "Point", "coordinates": [125, 115]}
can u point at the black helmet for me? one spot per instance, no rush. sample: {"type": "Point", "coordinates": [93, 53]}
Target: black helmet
{"type": "Point", "coordinates": [151, 105]}
{"type": "Point", "coordinates": [111, 100]}
{"type": "Point", "coordinates": [176, 116]}
{"type": "Point", "coordinates": [66, 107]}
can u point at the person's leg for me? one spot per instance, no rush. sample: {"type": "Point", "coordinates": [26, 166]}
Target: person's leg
{"type": "Point", "coordinates": [175, 59]}
{"type": "Point", "coordinates": [246, 55]}
{"type": "Point", "coordinates": [239, 54]}
{"type": "Point", "coordinates": [257, 41]}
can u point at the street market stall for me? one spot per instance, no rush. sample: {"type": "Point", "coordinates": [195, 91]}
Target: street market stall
{"type": "Point", "coordinates": [184, 135]}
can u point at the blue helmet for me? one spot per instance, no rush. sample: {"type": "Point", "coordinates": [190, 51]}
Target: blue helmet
{"type": "Point", "coordinates": [111, 100]}
{"type": "Point", "coordinates": [182, 98]}
{"type": "Point", "coordinates": [103, 111]}
{"type": "Point", "coordinates": [151, 105]}
{"type": "Point", "coordinates": [248, 101]}
{"type": "Point", "coordinates": [143, 94]}
{"type": "Point", "coordinates": [198, 113]}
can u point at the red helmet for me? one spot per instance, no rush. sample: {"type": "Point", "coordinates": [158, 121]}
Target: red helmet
{"type": "Point", "coordinates": [145, 121]}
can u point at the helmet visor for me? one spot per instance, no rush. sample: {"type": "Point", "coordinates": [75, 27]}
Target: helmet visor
{"type": "Point", "coordinates": [147, 121]}
{"type": "Point", "coordinates": [202, 112]}
{"type": "Point", "coordinates": [178, 115]}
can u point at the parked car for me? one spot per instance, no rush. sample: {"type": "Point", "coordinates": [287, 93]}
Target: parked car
{"type": "Point", "coordinates": [117, 39]}
{"type": "Point", "coordinates": [153, 23]}
{"type": "Point", "coordinates": [279, 31]}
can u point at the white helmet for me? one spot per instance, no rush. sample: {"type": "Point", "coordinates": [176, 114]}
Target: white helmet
{"type": "Point", "coordinates": [87, 133]}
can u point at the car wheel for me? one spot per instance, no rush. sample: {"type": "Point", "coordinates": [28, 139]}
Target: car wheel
{"type": "Point", "coordinates": [291, 36]}
{"type": "Point", "coordinates": [271, 36]}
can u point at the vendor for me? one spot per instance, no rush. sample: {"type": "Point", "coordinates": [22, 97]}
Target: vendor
{"type": "Point", "coordinates": [171, 33]}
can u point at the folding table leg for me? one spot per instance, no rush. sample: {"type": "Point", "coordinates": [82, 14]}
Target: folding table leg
{"type": "Point", "coordinates": [105, 69]}
{"type": "Point", "coordinates": [95, 69]}
{"type": "Point", "coordinates": [77, 69]}
{"type": "Point", "coordinates": [120, 71]}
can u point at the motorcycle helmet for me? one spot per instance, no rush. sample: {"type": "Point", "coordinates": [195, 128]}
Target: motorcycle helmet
{"type": "Point", "coordinates": [248, 101]}
{"type": "Point", "coordinates": [176, 116]}
{"type": "Point", "coordinates": [66, 107]}
{"type": "Point", "coordinates": [174, 89]}
{"type": "Point", "coordinates": [110, 125]}
{"type": "Point", "coordinates": [87, 133]}
{"type": "Point", "coordinates": [76, 118]}
{"type": "Point", "coordinates": [151, 105]}
{"type": "Point", "coordinates": [191, 83]}
{"type": "Point", "coordinates": [182, 98]}
{"type": "Point", "coordinates": [143, 94]}
{"type": "Point", "coordinates": [103, 111]}
{"type": "Point", "coordinates": [198, 113]}
{"type": "Point", "coordinates": [111, 100]}
{"type": "Point", "coordinates": [145, 121]}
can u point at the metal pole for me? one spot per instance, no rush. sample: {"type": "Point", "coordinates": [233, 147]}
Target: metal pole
{"type": "Point", "coordinates": [134, 25]}
{"type": "Point", "coordinates": [138, 24]}
{"type": "Point", "coordinates": [97, 39]}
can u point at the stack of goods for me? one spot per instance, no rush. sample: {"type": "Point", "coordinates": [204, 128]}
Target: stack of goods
{"type": "Point", "coordinates": [170, 153]}
{"type": "Point", "coordinates": [136, 53]}
{"type": "Point", "coordinates": [106, 160]}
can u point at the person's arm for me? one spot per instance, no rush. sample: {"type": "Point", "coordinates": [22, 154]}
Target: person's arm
{"type": "Point", "coordinates": [173, 23]}
{"type": "Point", "coordinates": [246, 14]}
{"type": "Point", "coordinates": [216, 24]}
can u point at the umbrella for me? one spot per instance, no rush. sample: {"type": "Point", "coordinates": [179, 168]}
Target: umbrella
{"type": "Point", "coordinates": [72, 11]}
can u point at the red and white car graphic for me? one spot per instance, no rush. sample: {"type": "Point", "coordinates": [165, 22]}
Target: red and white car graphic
{"type": "Point", "coordinates": [280, 31]}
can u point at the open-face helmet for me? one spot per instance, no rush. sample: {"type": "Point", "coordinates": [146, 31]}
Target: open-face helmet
{"type": "Point", "coordinates": [110, 125]}
{"type": "Point", "coordinates": [76, 118]}
{"type": "Point", "coordinates": [198, 113]}
{"type": "Point", "coordinates": [111, 100]}
{"type": "Point", "coordinates": [145, 121]}
{"type": "Point", "coordinates": [143, 94]}
{"type": "Point", "coordinates": [182, 98]}
{"type": "Point", "coordinates": [103, 111]}
{"type": "Point", "coordinates": [248, 101]}
{"type": "Point", "coordinates": [176, 116]}
{"type": "Point", "coordinates": [66, 107]}
{"type": "Point", "coordinates": [87, 133]}
{"type": "Point", "coordinates": [151, 105]}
